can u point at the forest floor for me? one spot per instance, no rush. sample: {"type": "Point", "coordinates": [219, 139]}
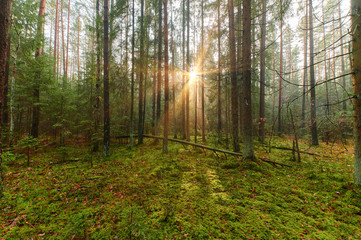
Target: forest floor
{"type": "Point", "coordinates": [186, 194]}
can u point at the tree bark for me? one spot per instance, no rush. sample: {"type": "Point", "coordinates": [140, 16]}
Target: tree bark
{"type": "Point", "coordinates": [5, 118]}
{"type": "Point", "coordinates": [234, 92]}
{"type": "Point", "coordinates": [166, 79]}
{"type": "Point", "coordinates": [356, 79]}
{"type": "Point", "coordinates": [132, 81]}
{"type": "Point", "coordinates": [106, 141]}
{"type": "Point", "coordinates": [248, 148]}
{"type": "Point", "coordinates": [305, 67]}
{"type": "Point", "coordinates": [4, 28]}
{"type": "Point", "coordinates": [219, 87]}
{"type": "Point", "coordinates": [202, 77]}
{"type": "Point", "coordinates": [262, 119]}
{"type": "Point", "coordinates": [344, 104]}
{"type": "Point", "coordinates": [312, 82]}
{"type": "Point", "coordinates": [281, 77]}
{"type": "Point", "coordinates": [159, 82]}
{"type": "Point", "coordinates": [141, 75]}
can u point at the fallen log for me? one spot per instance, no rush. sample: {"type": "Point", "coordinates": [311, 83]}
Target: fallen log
{"type": "Point", "coordinates": [290, 149]}
{"type": "Point", "coordinates": [213, 149]}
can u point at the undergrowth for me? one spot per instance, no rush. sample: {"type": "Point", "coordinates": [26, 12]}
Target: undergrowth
{"type": "Point", "coordinates": [186, 194]}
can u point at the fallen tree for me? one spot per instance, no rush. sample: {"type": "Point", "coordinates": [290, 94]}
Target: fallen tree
{"type": "Point", "coordinates": [205, 147]}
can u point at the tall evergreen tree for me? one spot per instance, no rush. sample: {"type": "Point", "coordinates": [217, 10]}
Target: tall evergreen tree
{"type": "Point", "coordinates": [106, 80]}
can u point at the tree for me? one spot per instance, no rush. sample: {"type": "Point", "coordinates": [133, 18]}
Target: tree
{"type": "Point", "coordinates": [4, 27]}
{"type": "Point", "coordinates": [356, 79]}
{"type": "Point", "coordinates": [248, 149]}
{"type": "Point", "coordinates": [166, 79]}
{"type": "Point", "coordinates": [159, 82]}
{"type": "Point", "coordinates": [281, 74]}
{"type": "Point", "coordinates": [97, 83]}
{"type": "Point", "coordinates": [234, 92]}
{"type": "Point", "coordinates": [262, 117]}
{"type": "Point", "coordinates": [132, 80]}
{"type": "Point", "coordinates": [219, 87]}
{"type": "Point", "coordinates": [312, 81]}
{"type": "Point", "coordinates": [36, 91]}
{"type": "Point", "coordinates": [141, 74]}
{"type": "Point", "coordinates": [304, 81]}
{"type": "Point", "coordinates": [106, 81]}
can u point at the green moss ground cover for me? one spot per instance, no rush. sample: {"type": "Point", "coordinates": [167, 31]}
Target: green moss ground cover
{"type": "Point", "coordinates": [186, 194]}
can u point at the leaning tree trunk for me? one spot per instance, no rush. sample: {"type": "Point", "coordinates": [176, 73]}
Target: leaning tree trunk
{"type": "Point", "coordinates": [356, 79]}
{"type": "Point", "coordinates": [106, 141]}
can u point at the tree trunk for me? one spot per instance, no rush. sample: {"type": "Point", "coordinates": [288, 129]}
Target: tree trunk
{"type": "Point", "coordinates": [202, 77]}
{"type": "Point", "coordinates": [141, 75]}
{"type": "Point", "coordinates": [248, 149]}
{"type": "Point", "coordinates": [344, 105]}
{"type": "Point", "coordinates": [5, 118]}
{"type": "Point", "coordinates": [56, 34]}
{"type": "Point", "coordinates": [281, 77]}
{"type": "Point", "coordinates": [132, 81]}
{"type": "Point", "coordinates": [312, 83]}
{"type": "Point", "coordinates": [305, 67]}
{"type": "Point", "coordinates": [262, 119]}
{"type": "Point", "coordinates": [188, 70]}
{"type": "Point", "coordinates": [325, 60]}
{"type": "Point", "coordinates": [219, 93]}
{"type": "Point", "coordinates": [154, 86]}
{"type": "Point", "coordinates": [166, 79]}
{"type": "Point", "coordinates": [36, 91]}
{"type": "Point", "coordinates": [234, 92]}
{"type": "Point", "coordinates": [106, 81]}
{"type": "Point", "coordinates": [183, 115]}
{"type": "Point", "coordinates": [4, 28]}
{"type": "Point", "coordinates": [159, 83]}
{"type": "Point", "coordinates": [356, 79]}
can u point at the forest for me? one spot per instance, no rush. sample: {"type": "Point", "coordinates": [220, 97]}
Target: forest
{"type": "Point", "coordinates": [183, 119]}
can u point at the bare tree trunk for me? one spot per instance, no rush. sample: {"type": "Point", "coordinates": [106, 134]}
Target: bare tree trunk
{"type": "Point", "coordinates": [56, 34]}
{"type": "Point", "coordinates": [234, 92]}
{"type": "Point", "coordinates": [154, 86]}
{"type": "Point", "coordinates": [281, 77]}
{"type": "Point", "coordinates": [325, 61]}
{"type": "Point", "coordinates": [188, 77]}
{"type": "Point", "coordinates": [183, 115]}
{"type": "Point", "coordinates": [97, 84]}
{"type": "Point", "coordinates": [141, 75]}
{"type": "Point", "coordinates": [305, 67]}
{"type": "Point", "coordinates": [166, 79]}
{"type": "Point", "coordinates": [159, 83]}
{"type": "Point", "coordinates": [67, 42]}
{"type": "Point", "coordinates": [106, 81]}
{"type": "Point", "coordinates": [344, 104]}
{"type": "Point", "coordinates": [4, 28]}
{"type": "Point", "coordinates": [202, 77]}
{"type": "Point", "coordinates": [312, 82]}
{"type": "Point", "coordinates": [219, 93]}
{"type": "Point", "coordinates": [261, 131]}
{"type": "Point", "coordinates": [248, 148]}
{"type": "Point", "coordinates": [356, 79]}
{"type": "Point", "coordinates": [5, 118]}
{"type": "Point", "coordinates": [132, 81]}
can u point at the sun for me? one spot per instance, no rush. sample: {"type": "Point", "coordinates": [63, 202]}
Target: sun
{"type": "Point", "coordinates": [193, 76]}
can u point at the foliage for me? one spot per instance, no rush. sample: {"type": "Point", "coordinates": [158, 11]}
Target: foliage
{"type": "Point", "coordinates": [142, 193]}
